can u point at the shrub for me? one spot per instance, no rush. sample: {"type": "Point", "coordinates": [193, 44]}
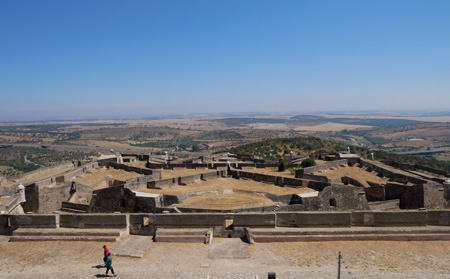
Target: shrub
{"type": "Point", "coordinates": [282, 166]}
{"type": "Point", "coordinates": [308, 163]}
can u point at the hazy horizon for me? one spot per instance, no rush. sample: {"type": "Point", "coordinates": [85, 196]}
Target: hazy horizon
{"type": "Point", "coordinates": [105, 59]}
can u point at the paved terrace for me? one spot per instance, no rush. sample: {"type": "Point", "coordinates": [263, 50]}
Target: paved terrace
{"type": "Point", "coordinates": [311, 260]}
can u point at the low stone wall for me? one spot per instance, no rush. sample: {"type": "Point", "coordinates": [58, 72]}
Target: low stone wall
{"type": "Point", "coordinates": [181, 220]}
{"type": "Point", "coordinates": [385, 205]}
{"type": "Point", "coordinates": [126, 167]}
{"type": "Point", "coordinates": [267, 220]}
{"type": "Point", "coordinates": [362, 218]}
{"type": "Point", "coordinates": [163, 183]}
{"type": "Point", "coordinates": [34, 221]}
{"type": "Point", "coordinates": [209, 175]}
{"type": "Point", "coordinates": [94, 221]}
{"type": "Point", "coordinates": [438, 217]}
{"type": "Point", "coordinates": [140, 182]}
{"type": "Point", "coordinates": [280, 180]}
{"type": "Point", "coordinates": [315, 177]}
{"type": "Point", "coordinates": [37, 172]}
{"type": "Point", "coordinates": [392, 174]}
{"type": "Point", "coordinates": [185, 180]}
{"type": "Point", "coordinates": [400, 218]}
{"type": "Point", "coordinates": [432, 170]}
{"type": "Point", "coordinates": [314, 219]}
{"type": "Point", "coordinates": [147, 223]}
{"type": "Point", "coordinates": [350, 180]}
{"type": "Point", "coordinates": [333, 164]}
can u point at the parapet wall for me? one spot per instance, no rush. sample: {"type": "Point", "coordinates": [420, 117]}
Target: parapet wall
{"type": "Point", "coordinates": [184, 180]}
{"type": "Point", "coordinates": [24, 176]}
{"type": "Point", "coordinates": [333, 164]}
{"type": "Point", "coordinates": [390, 173]}
{"type": "Point", "coordinates": [147, 223]}
{"type": "Point", "coordinates": [139, 170]}
{"type": "Point", "coordinates": [280, 180]}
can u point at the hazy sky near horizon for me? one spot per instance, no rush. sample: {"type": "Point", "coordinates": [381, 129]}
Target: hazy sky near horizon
{"type": "Point", "coordinates": [76, 59]}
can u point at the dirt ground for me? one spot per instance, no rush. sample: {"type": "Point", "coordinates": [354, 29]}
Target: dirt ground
{"type": "Point", "coordinates": [223, 184]}
{"type": "Point", "coordinates": [355, 172]}
{"type": "Point", "coordinates": [225, 201]}
{"type": "Point", "coordinates": [364, 259]}
{"type": "Point", "coordinates": [97, 180]}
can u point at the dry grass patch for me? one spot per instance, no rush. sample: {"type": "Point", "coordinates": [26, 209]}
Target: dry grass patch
{"type": "Point", "coordinates": [230, 201]}
{"type": "Point", "coordinates": [97, 179]}
{"type": "Point", "coordinates": [222, 184]}
{"type": "Point", "coordinates": [354, 172]}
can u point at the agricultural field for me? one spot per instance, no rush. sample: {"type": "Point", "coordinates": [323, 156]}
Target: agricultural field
{"type": "Point", "coordinates": [241, 134]}
{"type": "Point", "coordinates": [19, 160]}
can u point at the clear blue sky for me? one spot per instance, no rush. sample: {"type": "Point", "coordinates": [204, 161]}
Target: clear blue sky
{"type": "Point", "coordinates": [65, 59]}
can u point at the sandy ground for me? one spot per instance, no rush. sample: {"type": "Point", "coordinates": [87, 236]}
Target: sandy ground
{"type": "Point", "coordinates": [97, 180]}
{"type": "Point", "coordinates": [355, 172]}
{"type": "Point", "coordinates": [364, 259]}
{"type": "Point", "coordinates": [223, 184]}
{"type": "Point", "coordinates": [225, 201]}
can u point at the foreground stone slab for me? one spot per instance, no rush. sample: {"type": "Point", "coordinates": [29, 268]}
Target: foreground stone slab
{"type": "Point", "coordinates": [229, 248]}
{"type": "Point", "coordinates": [134, 246]}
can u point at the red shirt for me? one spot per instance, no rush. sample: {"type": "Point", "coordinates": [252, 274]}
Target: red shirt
{"type": "Point", "coordinates": [106, 252]}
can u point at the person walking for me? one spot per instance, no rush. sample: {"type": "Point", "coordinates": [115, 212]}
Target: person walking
{"type": "Point", "coordinates": [105, 253]}
{"type": "Point", "coordinates": [109, 265]}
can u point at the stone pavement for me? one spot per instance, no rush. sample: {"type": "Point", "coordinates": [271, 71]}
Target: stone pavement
{"type": "Point", "coordinates": [133, 246]}
{"type": "Point", "coordinates": [3, 239]}
{"type": "Point", "coordinates": [229, 248]}
{"type": "Point", "coordinates": [231, 275]}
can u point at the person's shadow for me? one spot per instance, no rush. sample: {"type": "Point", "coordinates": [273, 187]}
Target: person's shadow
{"type": "Point", "coordinates": [99, 266]}
{"type": "Point", "coordinates": [101, 275]}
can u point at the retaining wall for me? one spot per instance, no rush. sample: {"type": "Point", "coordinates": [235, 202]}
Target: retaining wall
{"type": "Point", "coordinates": [162, 184]}
{"type": "Point", "coordinates": [314, 219]}
{"type": "Point", "coordinates": [400, 218]}
{"type": "Point", "coordinates": [438, 217]}
{"type": "Point", "coordinates": [185, 180]}
{"type": "Point", "coordinates": [267, 220]}
{"type": "Point", "coordinates": [333, 164]}
{"type": "Point", "coordinates": [94, 221]}
{"type": "Point", "coordinates": [34, 221]}
{"type": "Point", "coordinates": [390, 173]}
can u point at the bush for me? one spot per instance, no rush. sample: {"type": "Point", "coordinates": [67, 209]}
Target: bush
{"type": "Point", "coordinates": [308, 163]}
{"type": "Point", "coordinates": [282, 166]}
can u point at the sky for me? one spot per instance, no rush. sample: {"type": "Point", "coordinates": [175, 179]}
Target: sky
{"type": "Point", "coordinates": [105, 58]}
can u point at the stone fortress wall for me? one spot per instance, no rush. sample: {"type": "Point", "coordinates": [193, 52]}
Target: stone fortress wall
{"type": "Point", "coordinates": [147, 223]}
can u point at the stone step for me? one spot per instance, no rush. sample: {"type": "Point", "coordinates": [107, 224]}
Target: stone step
{"type": "Point", "coordinates": [71, 210]}
{"type": "Point", "coordinates": [182, 232]}
{"type": "Point", "coordinates": [61, 232]}
{"type": "Point", "coordinates": [338, 233]}
{"type": "Point", "coordinates": [181, 238]}
{"type": "Point", "coordinates": [19, 238]}
{"type": "Point", "coordinates": [352, 237]}
{"type": "Point", "coordinates": [184, 235]}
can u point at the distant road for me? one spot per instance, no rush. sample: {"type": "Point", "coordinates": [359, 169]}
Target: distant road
{"type": "Point", "coordinates": [425, 152]}
{"type": "Point", "coordinates": [103, 149]}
